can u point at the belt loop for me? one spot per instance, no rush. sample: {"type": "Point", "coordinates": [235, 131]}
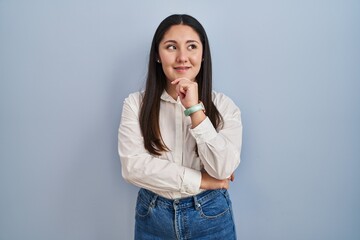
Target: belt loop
{"type": "Point", "coordinates": [153, 201]}
{"type": "Point", "coordinates": [197, 204]}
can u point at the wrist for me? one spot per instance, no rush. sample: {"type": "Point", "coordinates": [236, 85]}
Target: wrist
{"type": "Point", "coordinates": [203, 184]}
{"type": "Point", "coordinates": [195, 108]}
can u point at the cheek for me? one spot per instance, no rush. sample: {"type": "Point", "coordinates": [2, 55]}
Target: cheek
{"type": "Point", "coordinates": [197, 59]}
{"type": "Point", "coordinates": [166, 61]}
{"type": "Point", "coordinates": [197, 64]}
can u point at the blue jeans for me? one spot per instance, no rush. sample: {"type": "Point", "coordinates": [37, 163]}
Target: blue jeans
{"type": "Point", "coordinates": [206, 216]}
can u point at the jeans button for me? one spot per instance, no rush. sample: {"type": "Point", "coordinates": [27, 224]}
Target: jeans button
{"type": "Point", "coordinates": [176, 203]}
{"type": "Point", "coordinates": [197, 206]}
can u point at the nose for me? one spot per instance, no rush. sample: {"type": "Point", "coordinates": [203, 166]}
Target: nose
{"type": "Point", "coordinates": [182, 56]}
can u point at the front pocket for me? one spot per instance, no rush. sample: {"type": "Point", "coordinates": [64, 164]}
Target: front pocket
{"type": "Point", "coordinates": [142, 209]}
{"type": "Point", "coordinates": [215, 208]}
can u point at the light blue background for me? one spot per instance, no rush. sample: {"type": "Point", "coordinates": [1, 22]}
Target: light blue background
{"type": "Point", "coordinates": [293, 67]}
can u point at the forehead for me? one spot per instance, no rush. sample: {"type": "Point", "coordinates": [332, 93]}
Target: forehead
{"type": "Point", "coordinates": [181, 33]}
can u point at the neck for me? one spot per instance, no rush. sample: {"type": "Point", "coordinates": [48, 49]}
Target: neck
{"type": "Point", "coordinates": [171, 90]}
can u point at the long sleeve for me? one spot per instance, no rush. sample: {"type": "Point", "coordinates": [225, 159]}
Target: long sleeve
{"type": "Point", "coordinates": [141, 168]}
{"type": "Point", "coordinates": [220, 151]}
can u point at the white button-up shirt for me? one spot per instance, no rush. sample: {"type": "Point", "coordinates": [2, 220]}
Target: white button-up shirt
{"type": "Point", "coordinates": [177, 173]}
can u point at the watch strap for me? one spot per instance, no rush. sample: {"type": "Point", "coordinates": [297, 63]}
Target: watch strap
{"type": "Point", "coordinates": [195, 108]}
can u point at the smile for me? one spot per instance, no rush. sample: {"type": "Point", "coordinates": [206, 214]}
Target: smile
{"type": "Point", "coordinates": [181, 69]}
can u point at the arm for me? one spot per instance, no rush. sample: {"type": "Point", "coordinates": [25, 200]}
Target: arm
{"type": "Point", "coordinates": [220, 151]}
{"type": "Point", "coordinates": [144, 170]}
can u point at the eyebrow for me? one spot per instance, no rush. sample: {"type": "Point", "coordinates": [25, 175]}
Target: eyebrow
{"type": "Point", "coordinates": [188, 41]}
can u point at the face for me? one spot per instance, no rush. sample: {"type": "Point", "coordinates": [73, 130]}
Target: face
{"type": "Point", "coordinates": [180, 53]}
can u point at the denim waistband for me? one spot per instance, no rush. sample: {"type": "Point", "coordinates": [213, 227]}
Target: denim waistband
{"type": "Point", "coordinates": [193, 201]}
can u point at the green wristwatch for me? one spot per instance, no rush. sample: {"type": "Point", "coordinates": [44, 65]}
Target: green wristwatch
{"type": "Point", "coordinates": [195, 108]}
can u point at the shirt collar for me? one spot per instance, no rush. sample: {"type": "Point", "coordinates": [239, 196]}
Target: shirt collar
{"type": "Point", "coordinates": [167, 98]}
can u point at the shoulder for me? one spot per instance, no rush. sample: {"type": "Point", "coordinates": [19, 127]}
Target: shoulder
{"type": "Point", "coordinates": [224, 104]}
{"type": "Point", "coordinates": [134, 98]}
{"type": "Point", "coordinates": [133, 101]}
{"type": "Point", "coordinates": [220, 99]}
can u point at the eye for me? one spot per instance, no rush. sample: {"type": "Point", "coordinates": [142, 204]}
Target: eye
{"type": "Point", "coordinates": [192, 46]}
{"type": "Point", "coordinates": [170, 47]}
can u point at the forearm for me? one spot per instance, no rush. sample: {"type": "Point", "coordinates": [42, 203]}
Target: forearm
{"type": "Point", "coordinates": [219, 158]}
{"type": "Point", "coordinates": [210, 183]}
{"type": "Point", "coordinates": [197, 118]}
{"type": "Point", "coordinates": [141, 168]}
{"type": "Point", "coordinates": [146, 171]}
{"type": "Point", "coordinates": [219, 151]}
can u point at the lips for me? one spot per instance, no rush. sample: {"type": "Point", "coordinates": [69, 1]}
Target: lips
{"type": "Point", "coordinates": [182, 68]}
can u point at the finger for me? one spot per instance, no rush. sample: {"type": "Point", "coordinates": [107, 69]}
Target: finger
{"type": "Point", "coordinates": [181, 90]}
{"type": "Point", "coordinates": [176, 81]}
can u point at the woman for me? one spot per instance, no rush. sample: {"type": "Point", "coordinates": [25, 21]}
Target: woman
{"type": "Point", "coordinates": [179, 141]}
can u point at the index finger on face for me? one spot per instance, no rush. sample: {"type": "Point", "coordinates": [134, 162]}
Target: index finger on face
{"type": "Point", "coordinates": [176, 81]}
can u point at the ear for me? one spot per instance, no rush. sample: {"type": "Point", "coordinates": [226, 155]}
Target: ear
{"type": "Point", "coordinates": [157, 57]}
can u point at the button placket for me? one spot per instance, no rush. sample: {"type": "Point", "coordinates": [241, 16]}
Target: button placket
{"type": "Point", "coordinates": [178, 133]}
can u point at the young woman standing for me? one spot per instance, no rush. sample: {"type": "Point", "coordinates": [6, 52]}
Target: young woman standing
{"type": "Point", "coordinates": [180, 141]}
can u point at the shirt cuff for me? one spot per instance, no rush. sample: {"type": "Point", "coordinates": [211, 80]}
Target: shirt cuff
{"type": "Point", "coordinates": [203, 132]}
{"type": "Point", "coordinates": [191, 181]}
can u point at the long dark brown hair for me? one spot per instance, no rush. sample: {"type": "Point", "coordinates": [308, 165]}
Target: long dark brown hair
{"type": "Point", "coordinates": [156, 83]}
